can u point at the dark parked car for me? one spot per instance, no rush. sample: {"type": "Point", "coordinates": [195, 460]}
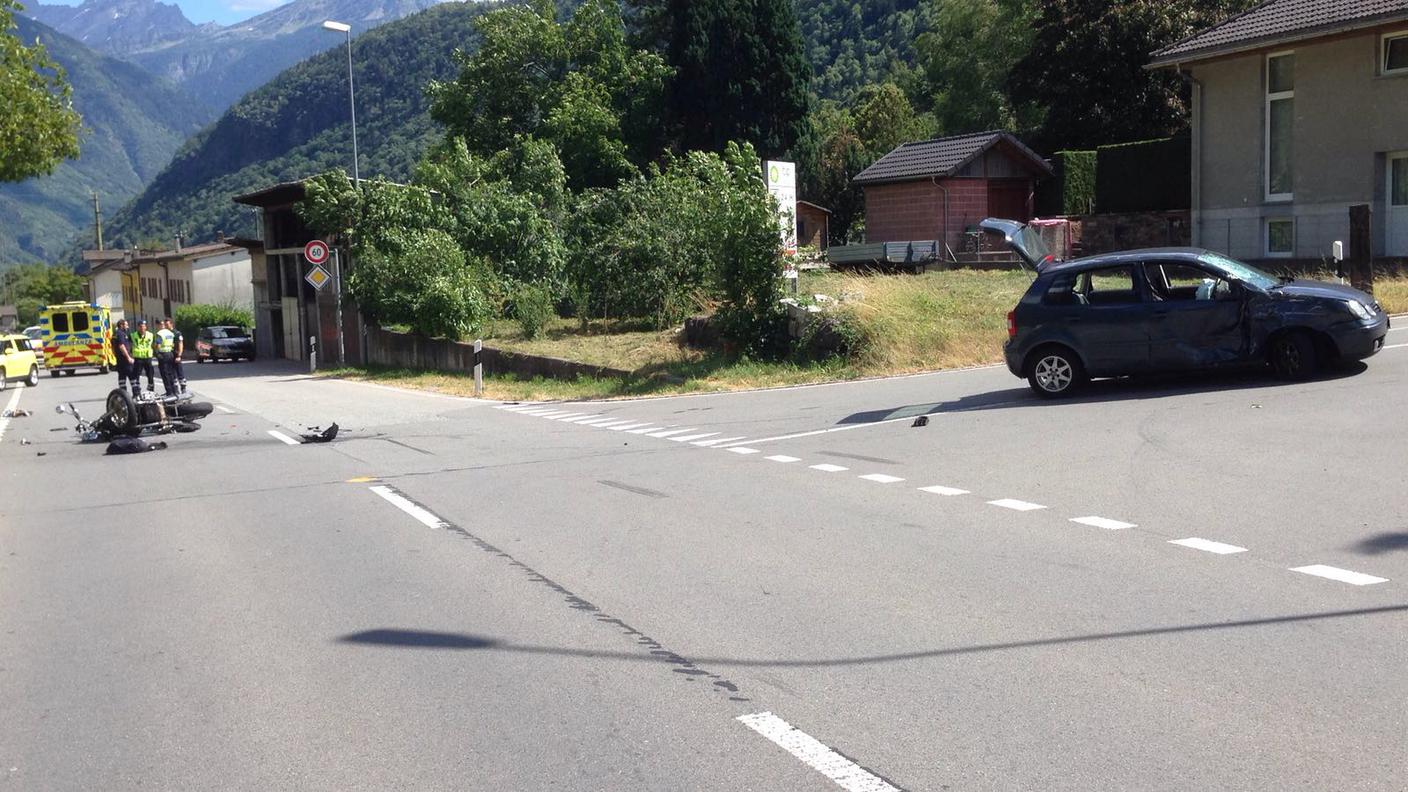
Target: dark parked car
{"type": "Point", "coordinates": [1175, 309]}
{"type": "Point", "coordinates": [225, 342]}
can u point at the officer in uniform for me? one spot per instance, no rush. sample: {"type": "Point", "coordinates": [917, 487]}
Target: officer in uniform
{"type": "Point", "coordinates": [142, 342]}
{"type": "Point", "coordinates": [177, 369]}
{"type": "Point", "coordinates": [165, 350]}
{"type": "Point", "coordinates": [122, 350]}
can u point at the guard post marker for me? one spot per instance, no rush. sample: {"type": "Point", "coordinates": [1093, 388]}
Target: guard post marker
{"type": "Point", "coordinates": [478, 368]}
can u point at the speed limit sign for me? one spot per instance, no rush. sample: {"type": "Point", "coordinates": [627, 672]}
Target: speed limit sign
{"type": "Point", "coordinates": [316, 251]}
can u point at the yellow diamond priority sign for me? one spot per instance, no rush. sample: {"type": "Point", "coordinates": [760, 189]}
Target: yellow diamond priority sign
{"type": "Point", "coordinates": [318, 277]}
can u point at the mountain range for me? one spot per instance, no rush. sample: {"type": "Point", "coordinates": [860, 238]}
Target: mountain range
{"type": "Point", "coordinates": [133, 123]}
{"type": "Point", "coordinates": [218, 64]}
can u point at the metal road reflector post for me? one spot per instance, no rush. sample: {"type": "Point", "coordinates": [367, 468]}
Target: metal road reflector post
{"type": "Point", "coordinates": [478, 368]}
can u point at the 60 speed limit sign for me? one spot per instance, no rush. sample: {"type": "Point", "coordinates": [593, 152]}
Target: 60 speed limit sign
{"type": "Point", "coordinates": [316, 251]}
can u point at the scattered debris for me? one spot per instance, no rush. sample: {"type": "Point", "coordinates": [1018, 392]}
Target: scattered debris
{"type": "Point", "coordinates": [42, 453]}
{"type": "Point", "coordinates": [16, 414]}
{"type": "Point", "coordinates": [922, 420]}
{"type": "Point", "coordinates": [25, 441]}
{"type": "Point", "coordinates": [133, 445]}
{"type": "Point", "coordinates": [314, 435]}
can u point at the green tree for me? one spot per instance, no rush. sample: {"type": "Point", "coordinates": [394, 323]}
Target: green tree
{"type": "Point", "coordinates": [576, 84]}
{"type": "Point", "coordinates": [741, 74]}
{"type": "Point", "coordinates": [38, 126]}
{"type": "Point", "coordinates": [1086, 66]}
{"type": "Point", "coordinates": [884, 119]}
{"type": "Point", "coordinates": [30, 287]}
{"type": "Point", "coordinates": [965, 58]}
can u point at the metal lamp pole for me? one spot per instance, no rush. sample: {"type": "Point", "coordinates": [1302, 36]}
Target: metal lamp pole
{"type": "Point", "coordinates": [344, 28]}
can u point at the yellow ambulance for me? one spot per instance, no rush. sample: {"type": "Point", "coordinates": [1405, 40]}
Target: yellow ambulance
{"type": "Point", "coordinates": [77, 335]}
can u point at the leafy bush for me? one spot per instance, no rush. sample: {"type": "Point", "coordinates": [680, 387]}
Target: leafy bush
{"type": "Point", "coordinates": [189, 319]}
{"type": "Point", "coordinates": [1078, 175]}
{"type": "Point", "coordinates": [533, 308]}
{"type": "Point", "coordinates": [425, 284]}
{"type": "Point", "coordinates": [1151, 175]}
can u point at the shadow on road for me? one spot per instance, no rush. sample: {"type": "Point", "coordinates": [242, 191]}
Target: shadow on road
{"type": "Point", "coordinates": [418, 639]}
{"type": "Point", "coordinates": [1098, 391]}
{"type": "Point", "coordinates": [1383, 543]}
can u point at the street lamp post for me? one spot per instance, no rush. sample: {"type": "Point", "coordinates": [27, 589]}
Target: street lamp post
{"type": "Point", "coordinates": [346, 29]}
{"type": "Point", "coordinates": [341, 27]}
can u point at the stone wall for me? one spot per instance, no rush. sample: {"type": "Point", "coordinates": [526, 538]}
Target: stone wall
{"type": "Point", "coordinates": [403, 350]}
{"type": "Point", "coordinates": [1106, 233]}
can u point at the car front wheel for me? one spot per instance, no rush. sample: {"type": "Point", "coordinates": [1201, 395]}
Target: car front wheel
{"type": "Point", "coordinates": [1293, 356]}
{"type": "Point", "coordinates": [1054, 372]}
{"type": "Point", "coordinates": [33, 379]}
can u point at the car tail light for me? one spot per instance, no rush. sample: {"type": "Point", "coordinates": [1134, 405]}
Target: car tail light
{"type": "Point", "coordinates": [1011, 324]}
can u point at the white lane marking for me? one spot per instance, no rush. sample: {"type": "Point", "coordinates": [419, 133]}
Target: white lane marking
{"type": "Point", "coordinates": [540, 411]}
{"type": "Point", "coordinates": [596, 421]}
{"type": "Point", "coordinates": [395, 499]}
{"type": "Point", "coordinates": [832, 429]}
{"type": "Point", "coordinates": [670, 432]}
{"type": "Point", "coordinates": [1016, 505]}
{"type": "Point", "coordinates": [613, 424]}
{"type": "Point", "coordinates": [847, 774]}
{"type": "Point", "coordinates": [647, 428]}
{"type": "Point", "coordinates": [283, 438]}
{"type": "Point", "coordinates": [940, 490]}
{"type": "Point", "coordinates": [222, 408]}
{"type": "Point", "coordinates": [1394, 346]}
{"type": "Point", "coordinates": [565, 417]}
{"type": "Point", "coordinates": [1103, 522]}
{"type": "Point", "coordinates": [584, 418]}
{"type": "Point", "coordinates": [742, 450]}
{"type": "Point", "coordinates": [828, 468]}
{"type": "Point", "coordinates": [14, 401]}
{"type": "Point", "coordinates": [628, 425]}
{"type": "Point", "coordinates": [693, 437]}
{"type": "Point", "coordinates": [881, 478]}
{"type": "Point", "coordinates": [716, 441]}
{"type": "Point", "coordinates": [783, 459]}
{"type": "Point", "coordinates": [1208, 546]}
{"type": "Point", "coordinates": [1342, 575]}
{"type": "Point", "coordinates": [557, 414]}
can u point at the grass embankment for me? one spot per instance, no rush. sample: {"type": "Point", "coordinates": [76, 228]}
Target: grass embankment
{"type": "Point", "coordinates": [939, 320]}
{"type": "Point", "coordinates": [913, 323]}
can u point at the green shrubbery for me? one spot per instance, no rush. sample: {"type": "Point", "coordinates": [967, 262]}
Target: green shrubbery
{"type": "Point", "coordinates": [189, 319]}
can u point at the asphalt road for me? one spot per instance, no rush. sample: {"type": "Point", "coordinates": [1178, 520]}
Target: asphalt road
{"type": "Point", "coordinates": [1178, 584]}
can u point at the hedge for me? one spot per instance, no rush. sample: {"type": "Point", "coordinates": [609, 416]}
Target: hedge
{"type": "Point", "coordinates": [1072, 190]}
{"type": "Point", "coordinates": [1147, 176]}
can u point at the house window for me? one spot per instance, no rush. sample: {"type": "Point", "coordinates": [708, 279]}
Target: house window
{"type": "Point", "coordinates": [1280, 125]}
{"type": "Point", "coordinates": [1395, 53]}
{"type": "Point", "coordinates": [1280, 237]}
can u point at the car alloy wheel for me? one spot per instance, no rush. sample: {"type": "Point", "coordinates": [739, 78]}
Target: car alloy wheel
{"type": "Point", "coordinates": [1053, 373]}
{"type": "Point", "coordinates": [1293, 356]}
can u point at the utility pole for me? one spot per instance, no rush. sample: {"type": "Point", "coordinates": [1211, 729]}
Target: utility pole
{"type": "Point", "coordinates": [97, 218]}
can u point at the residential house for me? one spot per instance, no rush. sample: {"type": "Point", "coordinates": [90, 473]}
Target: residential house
{"type": "Point", "coordinates": [1300, 110]}
{"type": "Point", "coordinates": [941, 189]}
{"type": "Point", "coordinates": [151, 285]}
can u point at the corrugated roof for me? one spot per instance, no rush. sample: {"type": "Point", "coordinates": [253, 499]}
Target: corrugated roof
{"type": "Point", "coordinates": [941, 157]}
{"type": "Point", "coordinates": [1278, 21]}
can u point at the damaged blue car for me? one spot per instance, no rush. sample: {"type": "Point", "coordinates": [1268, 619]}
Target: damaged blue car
{"type": "Point", "coordinates": [1174, 309]}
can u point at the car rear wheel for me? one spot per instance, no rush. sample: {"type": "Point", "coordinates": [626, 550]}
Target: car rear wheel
{"type": "Point", "coordinates": [1055, 371]}
{"type": "Point", "coordinates": [33, 379]}
{"type": "Point", "coordinates": [1293, 356]}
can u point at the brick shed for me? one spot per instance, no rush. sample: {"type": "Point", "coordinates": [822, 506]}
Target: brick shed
{"type": "Point", "coordinates": [939, 189]}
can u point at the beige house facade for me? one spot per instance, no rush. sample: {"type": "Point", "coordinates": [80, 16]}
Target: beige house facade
{"type": "Point", "coordinates": [1300, 110]}
{"type": "Point", "coordinates": [151, 285]}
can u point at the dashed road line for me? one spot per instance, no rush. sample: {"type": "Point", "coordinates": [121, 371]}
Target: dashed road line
{"type": "Point", "coordinates": [829, 468]}
{"type": "Point", "coordinates": [1342, 575]}
{"type": "Point", "coordinates": [743, 451]}
{"type": "Point", "coordinates": [693, 437]}
{"type": "Point", "coordinates": [881, 478]}
{"type": "Point", "coordinates": [846, 774]}
{"type": "Point", "coordinates": [282, 438]}
{"type": "Point", "coordinates": [941, 490]}
{"type": "Point", "coordinates": [646, 428]}
{"type": "Point", "coordinates": [614, 424]}
{"type": "Point", "coordinates": [718, 441]}
{"type": "Point", "coordinates": [597, 422]}
{"type": "Point", "coordinates": [1015, 505]}
{"type": "Point", "coordinates": [1208, 545]}
{"type": "Point", "coordinates": [423, 516]}
{"type": "Point", "coordinates": [783, 458]}
{"type": "Point", "coordinates": [568, 416]}
{"type": "Point", "coordinates": [671, 432]}
{"type": "Point", "coordinates": [628, 425]}
{"type": "Point", "coordinates": [1103, 522]}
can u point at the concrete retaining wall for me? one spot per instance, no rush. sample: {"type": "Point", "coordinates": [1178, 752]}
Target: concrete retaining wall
{"type": "Point", "coordinates": [403, 350]}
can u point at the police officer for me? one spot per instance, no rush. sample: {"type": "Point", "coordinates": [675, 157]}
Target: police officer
{"type": "Point", "coordinates": [142, 342]}
{"type": "Point", "coordinates": [165, 350]}
{"type": "Point", "coordinates": [178, 370]}
{"type": "Point", "coordinates": [122, 350]}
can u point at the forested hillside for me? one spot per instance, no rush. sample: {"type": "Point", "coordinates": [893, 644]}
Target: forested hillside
{"type": "Point", "coordinates": [851, 44]}
{"type": "Point", "coordinates": [133, 123]}
{"type": "Point", "coordinates": [297, 125]}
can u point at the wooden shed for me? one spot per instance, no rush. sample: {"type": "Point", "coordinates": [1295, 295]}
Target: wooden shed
{"type": "Point", "coordinates": [813, 225]}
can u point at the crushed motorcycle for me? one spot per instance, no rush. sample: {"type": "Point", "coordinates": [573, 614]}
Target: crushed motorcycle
{"type": "Point", "coordinates": [144, 414]}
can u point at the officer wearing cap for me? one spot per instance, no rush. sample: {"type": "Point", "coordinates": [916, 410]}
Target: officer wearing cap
{"type": "Point", "coordinates": [142, 342]}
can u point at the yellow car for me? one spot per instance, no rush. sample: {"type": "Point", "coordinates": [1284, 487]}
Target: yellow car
{"type": "Point", "coordinates": [17, 361]}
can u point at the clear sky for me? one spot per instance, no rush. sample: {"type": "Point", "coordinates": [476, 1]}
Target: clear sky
{"type": "Point", "coordinates": [222, 11]}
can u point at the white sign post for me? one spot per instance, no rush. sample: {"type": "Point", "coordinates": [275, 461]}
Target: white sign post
{"type": "Point", "coordinates": [782, 184]}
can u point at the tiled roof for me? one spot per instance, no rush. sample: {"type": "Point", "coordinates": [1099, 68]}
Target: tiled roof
{"type": "Point", "coordinates": [1276, 21]}
{"type": "Point", "coordinates": [940, 157]}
